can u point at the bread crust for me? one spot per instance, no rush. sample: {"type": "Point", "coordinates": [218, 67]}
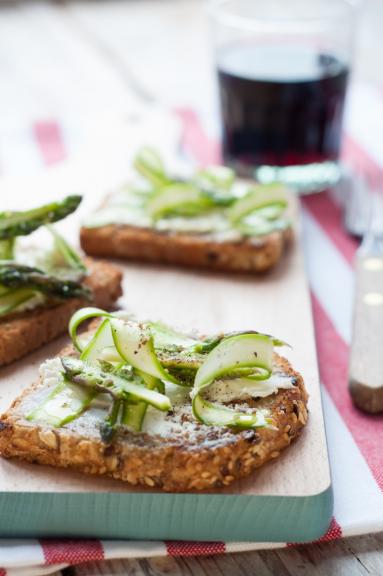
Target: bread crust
{"type": "Point", "coordinates": [208, 458]}
{"type": "Point", "coordinates": [185, 249]}
{"type": "Point", "coordinates": [26, 331]}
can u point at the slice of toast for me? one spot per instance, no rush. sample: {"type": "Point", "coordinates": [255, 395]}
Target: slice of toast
{"type": "Point", "coordinates": [186, 249]}
{"type": "Point", "coordinates": [179, 455]}
{"type": "Point", "coordinates": [24, 332]}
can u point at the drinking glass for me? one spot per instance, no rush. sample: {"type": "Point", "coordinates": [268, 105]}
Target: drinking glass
{"type": "Point", "coordinates": [283, 68]}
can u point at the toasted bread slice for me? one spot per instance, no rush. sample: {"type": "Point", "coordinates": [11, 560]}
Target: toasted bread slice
{"type": "Point", "coordinates": [186, 249]}
{"type": "Point", "coordinates": [180, 455]}
{"type": "Point", "coordinates": [24, 332]}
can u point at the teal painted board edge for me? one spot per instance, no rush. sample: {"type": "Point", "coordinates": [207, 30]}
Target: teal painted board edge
{"type": "Point", "coordinates": [153, 516]}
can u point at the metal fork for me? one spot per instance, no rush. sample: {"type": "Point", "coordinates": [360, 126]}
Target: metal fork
{"type": "Point", "coordinates": [355, 193]}
{"type": "Point", "coordinates": [366, 356]}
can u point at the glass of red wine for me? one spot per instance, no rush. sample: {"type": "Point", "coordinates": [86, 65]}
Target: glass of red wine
{"type": "Point", "coordinates": [283, 69]}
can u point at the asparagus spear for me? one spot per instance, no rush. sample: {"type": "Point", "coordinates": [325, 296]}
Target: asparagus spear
{"type": "Point", "coordinates": [78, 372]}
{"type": "Point", "coordinates": [119, 388]}
{"type": "Point", "coordinates": [14, 276]}
{"type": "Point", "coordinates": [23, 223]}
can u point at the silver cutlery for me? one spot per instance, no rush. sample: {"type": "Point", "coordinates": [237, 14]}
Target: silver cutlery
{"type": "Point", "coordinates": [364, 216]}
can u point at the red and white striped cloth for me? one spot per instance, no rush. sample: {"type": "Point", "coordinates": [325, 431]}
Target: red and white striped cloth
{"type": "Point", "coordinates": [354, 438]}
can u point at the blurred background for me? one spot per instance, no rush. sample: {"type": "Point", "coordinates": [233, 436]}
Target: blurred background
{"type": "Point", "coordinates": [72, 72]}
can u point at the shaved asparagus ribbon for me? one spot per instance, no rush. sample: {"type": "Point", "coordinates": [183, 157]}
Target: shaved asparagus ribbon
{"type": "Point", "coordinates": [124, 340]}
{"type": "Point", "coordinates": [10, 300]}
{"type": "Point", "coordinates": [81, 316]}
{"type": "Point", "coordinates": [233, 352]}
{"type": "Point", "coordinates": [135, 346]}
{"type": "Point", "coordinates": [65, 403]}
{"type": "Point", "coordinates": [149, 164]}
{"type": "Point", "coordinates": [259, 198]}
{"type": "Point", "coordinates": [173, 197]}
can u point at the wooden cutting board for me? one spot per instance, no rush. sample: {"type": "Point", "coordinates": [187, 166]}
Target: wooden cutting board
{"type": "Point", "coordinates": [289, 499]}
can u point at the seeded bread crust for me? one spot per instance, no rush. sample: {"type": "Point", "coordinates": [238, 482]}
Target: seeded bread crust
{"type": "Point", "coordinates": [24, 332]}
{"type": "Point", "coordinates": [190, 250]}
{"type": "Point", "coordinates": [205, 458]}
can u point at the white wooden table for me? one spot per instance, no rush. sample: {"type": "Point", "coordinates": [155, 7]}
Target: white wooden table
{"type": "Point", "coordinates": [87, 60]}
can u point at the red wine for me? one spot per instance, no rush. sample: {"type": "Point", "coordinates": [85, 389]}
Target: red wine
{"type": "Point", "coordinates": [281, 105]}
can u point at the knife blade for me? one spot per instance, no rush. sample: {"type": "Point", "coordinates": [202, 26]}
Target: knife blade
{"type": "Point", "coordinates": [366, 355]}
